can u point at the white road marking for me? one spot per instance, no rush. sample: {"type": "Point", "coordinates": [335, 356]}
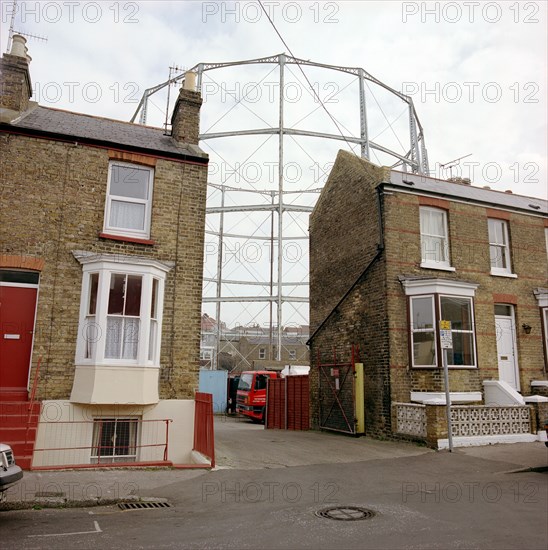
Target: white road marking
{"type": "Point", "coordinates": [97, 530]}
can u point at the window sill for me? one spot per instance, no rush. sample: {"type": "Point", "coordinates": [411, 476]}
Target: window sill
{"type": "Point", "coordinates": [126, 239]}
{"type": "Point", "coordinates": [440, 267]}
{"type": "Point", "coordinates": [501, 274]}
{"type": "Point", "coordinates": [115, 364]}
{"type": "Point", "coordinates": [450, 367]}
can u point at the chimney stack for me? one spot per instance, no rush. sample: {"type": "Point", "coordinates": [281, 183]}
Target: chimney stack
{"type": "Point", "coordinates": [185, 121]}
{"type": "Point", "coordinates": [15, 83]}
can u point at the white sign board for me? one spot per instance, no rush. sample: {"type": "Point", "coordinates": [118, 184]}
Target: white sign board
{"type": "Point", "coordinates": [446, 337]}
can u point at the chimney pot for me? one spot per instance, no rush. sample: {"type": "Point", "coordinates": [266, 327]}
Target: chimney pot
{"type": "Point", "coordinates": [508, 191]}
{"type": "Point", "coordinates": [190, 81]}
{"type": "Point", "coordinates": [18, 46]}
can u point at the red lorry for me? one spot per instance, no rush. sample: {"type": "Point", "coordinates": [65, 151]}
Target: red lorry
{"type": "Point", "coordinates": [251, 396]}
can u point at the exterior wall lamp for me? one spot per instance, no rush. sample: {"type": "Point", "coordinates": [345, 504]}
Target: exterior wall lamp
{"type": "Point", "coordinates": [526, 328]}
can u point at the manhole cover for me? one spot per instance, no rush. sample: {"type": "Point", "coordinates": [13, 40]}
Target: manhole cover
{"type": "Point", "coordinates": [143, 505]}
{"type": "Point", "coordinates": [345, 513]}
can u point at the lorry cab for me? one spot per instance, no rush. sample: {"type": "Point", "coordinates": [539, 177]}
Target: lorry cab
{"type": "Point", "coordinates": [251, 395]}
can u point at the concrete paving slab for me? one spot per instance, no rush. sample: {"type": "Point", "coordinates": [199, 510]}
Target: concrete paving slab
{"type": "Point", "coordinates": [241, 444]}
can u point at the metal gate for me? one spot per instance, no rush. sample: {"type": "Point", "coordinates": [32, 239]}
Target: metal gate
{"type": "Point", "coordinates": [337, 393]}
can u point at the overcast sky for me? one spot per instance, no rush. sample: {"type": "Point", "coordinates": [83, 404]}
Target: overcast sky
{"type": "Point", "coordinates": [476, 72]}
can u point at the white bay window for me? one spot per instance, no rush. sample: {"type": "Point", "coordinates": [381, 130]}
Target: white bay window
{"type": "Point", "coordinates": [423, 331]}
{"type": "Point", "coordinates": [459, 311]}
{"type": "Point", "coordinates": [432, 300]}
{"type": "Point", "coordinates": [121, 310]}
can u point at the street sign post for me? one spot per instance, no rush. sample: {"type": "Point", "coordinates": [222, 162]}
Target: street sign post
{"type": "Point", "coordinates": [446, 339]}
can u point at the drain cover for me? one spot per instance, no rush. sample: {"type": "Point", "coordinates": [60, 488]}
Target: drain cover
{"type": "Point", "coordinates": [345, 513]}
{"type": "Point", "coordinates": [143, 505]}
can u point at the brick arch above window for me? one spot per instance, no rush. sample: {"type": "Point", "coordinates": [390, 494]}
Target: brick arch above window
{"type": "Point", "coordinates": [21, 262]}
{"type": "Point", "coordinates": [134, 158]}
{"type": "Point", "coordinates": [497, 214]}
{"type": "Point", "coordinates": [432, 201]}
{"type": "Point", "coordinates": [505, 299]}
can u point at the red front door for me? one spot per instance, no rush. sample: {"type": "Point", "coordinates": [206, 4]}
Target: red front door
{"type": "Point", "coordinates": [17, 310]}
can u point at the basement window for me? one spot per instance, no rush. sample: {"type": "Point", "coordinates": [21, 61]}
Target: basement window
{"type": "Point", "coordinates": [114, 440]}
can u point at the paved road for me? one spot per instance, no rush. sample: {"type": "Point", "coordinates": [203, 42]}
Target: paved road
{"type": "Point", "coordinates": [421, 500]}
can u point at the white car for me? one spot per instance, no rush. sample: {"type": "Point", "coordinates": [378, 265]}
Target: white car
{"type": "Point", "coordinates": [10, 473]}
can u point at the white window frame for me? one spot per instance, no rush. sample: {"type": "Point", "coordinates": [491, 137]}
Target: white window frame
{"type": "Point", "coordinates": [413, 330]}
{"type": "Point", "coordinates": [107, 265]}
{"type": "Point", "coordinates": [262, 353]}
{"type": "Point", "coordinates": [503, 247]}
{"type": "Point", "coordinates": [460, 331]}
{"type": "Point", "coordinates": [541, 294]}
{"type": "Point", "coordinates": [114, 458]}
{"type": "Point", "coordinates": [121, 231]}
{"type": "Point", "coordinates": [445, 262]}
{"type": "Point", "coordinates": [438, 288]}
{"type": "Point", "coordinates": [544, 324]}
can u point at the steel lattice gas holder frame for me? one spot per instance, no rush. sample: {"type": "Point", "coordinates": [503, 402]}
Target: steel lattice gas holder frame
{"type": "Point", "coordinates": [251, 227]}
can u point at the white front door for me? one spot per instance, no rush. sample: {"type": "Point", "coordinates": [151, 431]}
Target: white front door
{"type": "Point", "coordinates": [506, 350]}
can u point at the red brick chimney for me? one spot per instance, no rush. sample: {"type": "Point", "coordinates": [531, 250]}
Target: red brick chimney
{"type": "Point", "coordinates": [185, 121]}
{"type": "Point", "coordinates": [15, 84]}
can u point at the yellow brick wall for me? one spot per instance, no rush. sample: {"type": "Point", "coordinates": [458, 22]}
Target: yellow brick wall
{"type": "Point", "coordinates": [53, 199]}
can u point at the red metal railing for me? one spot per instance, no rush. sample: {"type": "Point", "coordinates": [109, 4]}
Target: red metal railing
{"type": "Point", "coordinates": [204, 441]}
{"type": "Point", "coordinates": [137, 448]}
{"type": "Point", "coordinates": [32, 400]}
{"type": "Point", "coordinates": [34, 384]}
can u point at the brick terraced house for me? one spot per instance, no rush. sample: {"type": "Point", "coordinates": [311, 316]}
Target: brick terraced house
{"type": "Point", "coordinates": [392, 254]}
{"type": "Point", "coordinates": [102, 233]}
